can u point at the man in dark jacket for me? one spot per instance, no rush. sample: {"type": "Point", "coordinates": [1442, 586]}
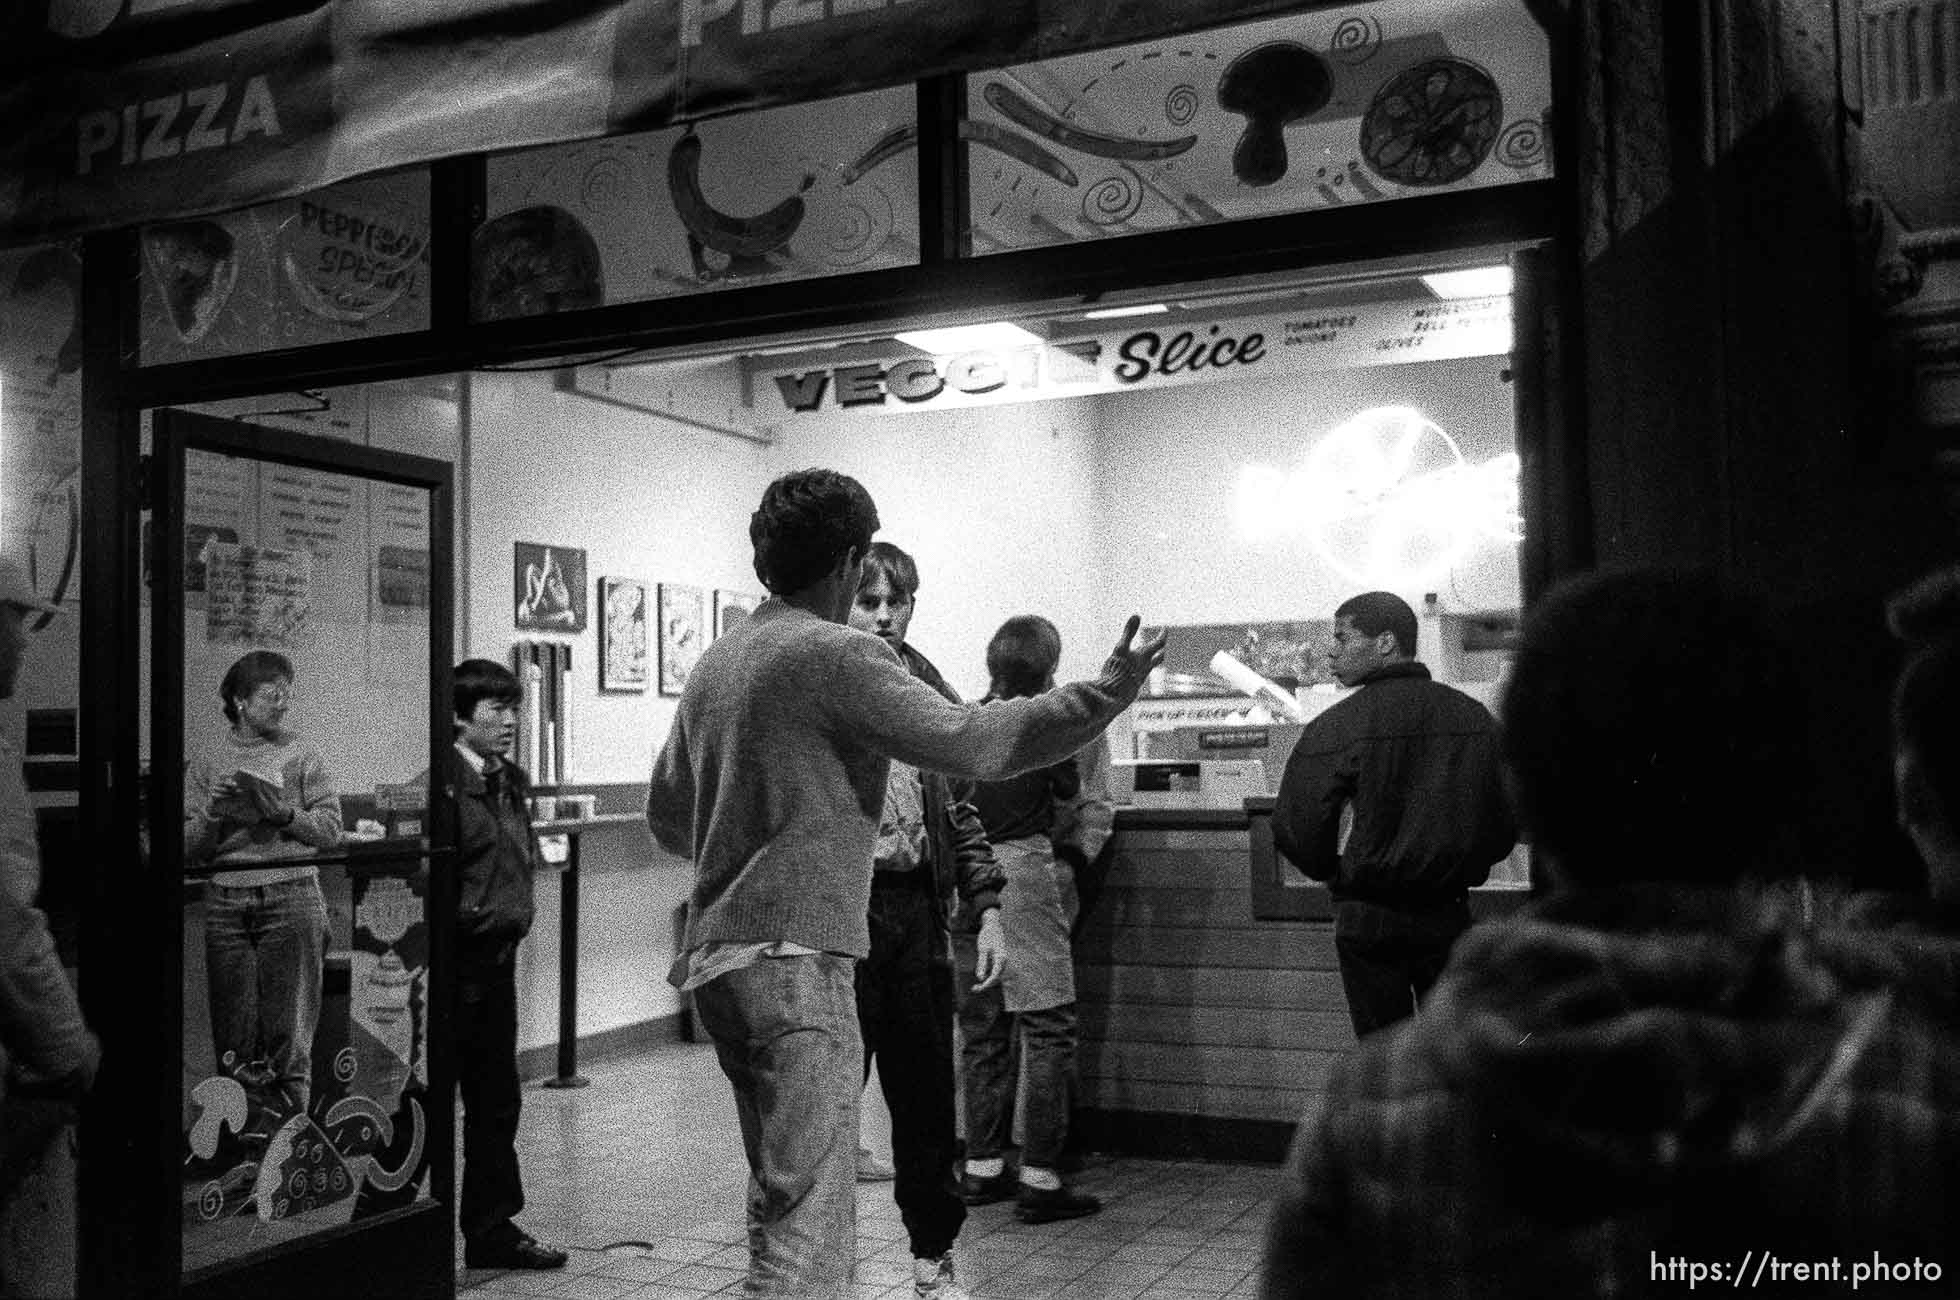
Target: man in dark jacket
{"type": "Point", "coordinates": [1395, 798]}
{"type": "Point", "coordinates": [1651, 1077]}
{"type": "Point", "coordinates": [932, 868]}
{"type": "Point", "coordinates": [497, 859]}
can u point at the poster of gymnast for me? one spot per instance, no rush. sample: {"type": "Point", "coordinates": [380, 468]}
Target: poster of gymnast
{"type": "Point", "coordinates": [550, 587]}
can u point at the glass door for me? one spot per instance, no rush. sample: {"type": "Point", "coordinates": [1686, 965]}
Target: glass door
{"type": "Point", "coordinates": [301, 642]}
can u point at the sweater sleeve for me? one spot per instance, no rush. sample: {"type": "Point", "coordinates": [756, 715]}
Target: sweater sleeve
{"type": "Point", "coordinates": [875, 701]}
{"type": "Point", "coordinates": [1086, 819]}
{"type": "Point", "coordinates": [316, 814]}
{"type": "Point", "coordinates": [671, 794]}
{"type": "Point", "coordinates": [201, 830]}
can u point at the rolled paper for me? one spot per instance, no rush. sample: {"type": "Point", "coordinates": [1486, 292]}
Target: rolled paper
{"type": "Point", "coordinates": [1243, 679]}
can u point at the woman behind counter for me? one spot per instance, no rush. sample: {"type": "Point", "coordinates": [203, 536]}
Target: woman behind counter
{"type": "Point", "coordinates": [1034, 1004]}
{"type": "Point", "coordinates": [262, 795]}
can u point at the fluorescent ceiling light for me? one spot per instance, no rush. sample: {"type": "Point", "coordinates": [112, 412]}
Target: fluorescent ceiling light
{"type": "Point", "coordinates": [1110, 313]}
{"type": "Point", "coordinates": [1000, 336]}
{"type": "Point", "coordinates": [1478, 282]}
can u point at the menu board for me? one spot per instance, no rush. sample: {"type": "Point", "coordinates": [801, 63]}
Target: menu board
{"type": "Point", "coordinates": [258, 596]}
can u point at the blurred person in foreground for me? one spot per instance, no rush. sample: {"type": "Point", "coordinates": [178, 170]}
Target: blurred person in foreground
{"type": "Point", "coordinates": [772, 781]}
{"type": "Point", "coordinates": [932, 870]}
{"type": "Point", "coordinates": [47, 1055]}
{"type": "Point", "coordinates": [1926, 733]}
{"type": "Point", "coordinates": [1656, 1064]}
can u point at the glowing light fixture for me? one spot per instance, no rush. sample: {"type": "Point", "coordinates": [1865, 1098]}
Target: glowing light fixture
{"type": "Point", "coordinates": [997, 336]}
{"type": "Point", "coordinates": [1477, 282]}
{"type": "Point", "coordinates": [1386, 498]}
{"type": "Point", "coordinates": [1111, 313]}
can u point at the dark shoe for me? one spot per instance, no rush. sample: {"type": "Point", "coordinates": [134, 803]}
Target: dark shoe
{"type": "Point", "coordinates": [518, 1252]}
{"type": "Point", "coordinates": [1040, 1205]}
{"type": "Point", "coordinates": [975, 1190]}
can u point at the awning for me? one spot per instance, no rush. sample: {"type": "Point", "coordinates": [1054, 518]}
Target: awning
{"type": "Point", "coordinates": [128, 111]}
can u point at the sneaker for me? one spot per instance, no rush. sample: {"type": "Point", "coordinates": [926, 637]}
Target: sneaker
{"type": "Point", "coordinates": [873, 1170]}
{"type": "Point", "coordinates": [975, 1190]}
{"type": "Point", "coordinates": [1045, 1205]}
{"type": "Point", "coordinates": [934, 1278]}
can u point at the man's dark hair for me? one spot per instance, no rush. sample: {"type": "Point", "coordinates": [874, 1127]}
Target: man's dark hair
{"type": "Point", "coordinates": [254, 669]}
{"type": "Point", "coordinates": [1651, 731]}
{"type": "Point", "coordinates": [894, 566]}
{"type": "Point", "coordinates": [1926, 698]}
{"type": "Point", "coordinates": [807, 522]}
{"type": "Point", "coordinates": [477, 680]}
{"type": "Point", "coordinates": [1022, 656]}
{"type": "Point", "coordinates": [1376, 612]}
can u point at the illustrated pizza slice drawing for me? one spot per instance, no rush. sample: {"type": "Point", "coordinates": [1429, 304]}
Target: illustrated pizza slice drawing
{"type": "Point", "coordinates": [195, 266]}
{"type": "Point", "coordinates": [1432, 124]}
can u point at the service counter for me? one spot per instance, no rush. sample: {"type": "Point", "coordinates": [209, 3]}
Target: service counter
{"type": "Point", "coordinates": [1210, 1000]}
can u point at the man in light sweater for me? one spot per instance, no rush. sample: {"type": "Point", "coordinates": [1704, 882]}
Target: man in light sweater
{"type": "Point", "coordinates": [773, 781]}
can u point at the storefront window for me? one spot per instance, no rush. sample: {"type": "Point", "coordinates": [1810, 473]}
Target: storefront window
{"type": "Point", "coordinates": [305, 689]}
{"type": "Point", "coordinates": [350, 261]}
{"type": "Point", "coordinates": [782, 194]}
{"type": "Point", "coordinates": [1323, 109]}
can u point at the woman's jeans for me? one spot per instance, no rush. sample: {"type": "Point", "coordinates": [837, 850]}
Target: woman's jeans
{"type": "Point", "coordinates": [265, 950]}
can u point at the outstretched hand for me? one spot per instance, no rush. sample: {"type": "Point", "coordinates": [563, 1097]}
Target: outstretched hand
{"type": "Point", "coordinates": [1130, 663]}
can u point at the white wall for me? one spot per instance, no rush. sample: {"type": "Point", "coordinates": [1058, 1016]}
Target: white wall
{"type": "Point", "coordinates": [998, 506]}
{"type": "Point", "coordinates": [645, 498]}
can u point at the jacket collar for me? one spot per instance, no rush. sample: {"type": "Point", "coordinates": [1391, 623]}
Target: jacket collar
{"type": "Point", "coordinates": [922, 668]}
{"type": "Point", "coordinates": [1388, 672]}
{"type": "Point", "coordinates": [468, 775]}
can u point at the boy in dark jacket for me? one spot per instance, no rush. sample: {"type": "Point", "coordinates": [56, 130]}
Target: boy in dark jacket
{"type": "Point", "coordinates": [497, 859]}
{"type": "Point", "coordinates": [932, 862]}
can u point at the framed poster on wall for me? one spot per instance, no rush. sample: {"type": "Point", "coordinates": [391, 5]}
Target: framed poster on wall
{"type": "Point", "coordinates": [683, 634]}
{"type": "Point", "coordinates": [731, 607]}
{"type": "Point", "coordinates": [550, 587]}
{"type": "Point", "coordinates": [622, 634]}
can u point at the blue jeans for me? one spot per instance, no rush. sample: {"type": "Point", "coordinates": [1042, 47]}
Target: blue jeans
{"type": "Point", "coordinates": [785, 1030]}
{"type": "Point", "coordinates": [265, 951]}
{"type": "Point", "coordinates": [1045, 1043]}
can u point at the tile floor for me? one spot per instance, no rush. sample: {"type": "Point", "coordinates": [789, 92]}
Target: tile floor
{"type": "Point", "coordinates": [640, 1176]}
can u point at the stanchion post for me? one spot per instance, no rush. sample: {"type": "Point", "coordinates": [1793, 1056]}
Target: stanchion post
{"type": "Point", "coordinates": [568, 1075]}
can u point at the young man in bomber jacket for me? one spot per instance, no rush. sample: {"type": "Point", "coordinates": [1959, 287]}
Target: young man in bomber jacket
{"type": "Point", "coordinates": [497, 858]}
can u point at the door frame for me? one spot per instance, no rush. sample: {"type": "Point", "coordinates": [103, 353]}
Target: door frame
{"type": "Point", "coordinates": [404, 1251]}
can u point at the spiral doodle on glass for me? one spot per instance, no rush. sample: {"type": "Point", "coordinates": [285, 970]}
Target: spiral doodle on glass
{"type": "Point", "coordinates": [1356, 40]}
{"type": "Point", "coordinates": [853, 225]}
{"type": "Point", "coordinates": [1113, 200]}
{"type": "Point", "coordinates": [1181, 104]}
{"type": "Point", "coordinates": [604, 183]}
{"type": "Point", "coordinates": [1522, 145]}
